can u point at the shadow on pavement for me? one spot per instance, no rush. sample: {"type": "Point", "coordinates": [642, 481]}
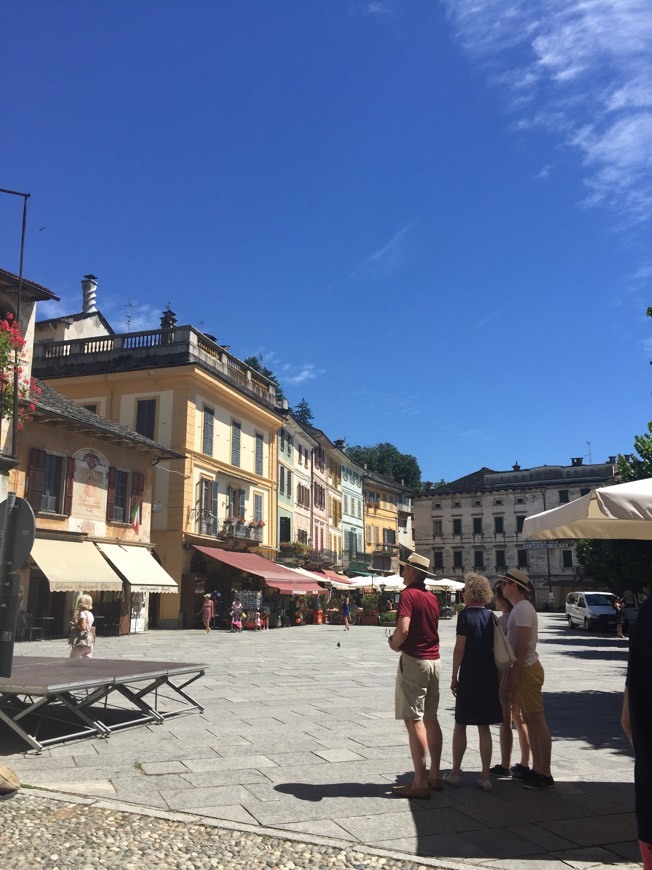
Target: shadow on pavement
{"type": "Point", "coordinates": [573, 822]}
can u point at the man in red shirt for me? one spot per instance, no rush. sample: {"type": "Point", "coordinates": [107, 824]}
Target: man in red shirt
{"type": "Point", "coordinates": [416, 638]}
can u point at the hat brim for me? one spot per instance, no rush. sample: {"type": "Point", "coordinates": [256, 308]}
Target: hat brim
{"type": "Point", "coordinates": [416, 567]}
{"type": "Point", "coordinates": [527, 586]}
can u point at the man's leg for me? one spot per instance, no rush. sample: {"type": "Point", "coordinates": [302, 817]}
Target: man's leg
{"type": "Point", "coordinates": [435, 739]}
{"type": "Point", "coordinates": [418, 748]}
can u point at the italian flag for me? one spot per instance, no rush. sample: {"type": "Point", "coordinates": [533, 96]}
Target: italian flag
{"type": "Point", "coordinates": [135, 516]}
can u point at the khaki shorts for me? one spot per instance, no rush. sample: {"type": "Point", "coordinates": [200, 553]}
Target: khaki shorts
{"type": "Point", "coordinates": [528, 690]}
{"type": "Point", "coordinates": [417, 688]}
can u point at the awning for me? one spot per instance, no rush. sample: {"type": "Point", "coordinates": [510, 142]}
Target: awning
{"type": "Point", "coordinates": [252, 563]}
{"type": "Point", "coordinates": [298, 587]}
{"type": "Point", "coordinates": [74, 566]}
{"type": "Point", "coordinates": [139, 568]}
{"type": "Point", "coordinates": [332, 575]}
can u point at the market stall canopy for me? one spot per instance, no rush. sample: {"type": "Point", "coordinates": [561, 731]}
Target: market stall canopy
{"type": "Point", "coordinates": [620, 512]}
{"type": "Point", "coordinates": [74, 566]}
{"type": "Point", "coordinates": [446, 585]}
{"type": "Point", "coordinates": [139, 568]}
{"type": "Point", "coordinates": [296, 587]}
{"type": "Point", "coordinates": [251, 563]}
{"type": "Point", "coordinates": [393, 583]}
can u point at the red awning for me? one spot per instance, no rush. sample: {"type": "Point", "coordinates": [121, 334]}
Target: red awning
{"type": "Point", "coordinates": [297, 587]}
{"type": "Point", "coordinates": [333, 575]}
{"type": "Point", "coordinates": [254, 564]}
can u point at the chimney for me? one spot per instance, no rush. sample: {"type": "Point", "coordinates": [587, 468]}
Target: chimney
{"type": "Point", "coordinates": [576, 460]}
{"type": "Point", "coordinates": [169, 319]}
{"type": "Point", "coordinates": [340, 443]}
{"type": "Point", "coordinates": [89, 294]}
{"type": "Point", "coordinates": [516, 467]}
{"type": "Point", "coordinates": [612, 460]}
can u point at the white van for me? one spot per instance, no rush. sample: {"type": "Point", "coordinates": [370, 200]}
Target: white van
{"type": "Point", "coordinates": [592, 610]}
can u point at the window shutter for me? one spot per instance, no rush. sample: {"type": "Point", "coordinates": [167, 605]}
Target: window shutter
{"type": "Point", "coordinates": [110, 495]}
{"type": "Point", "coordinates": [70, 479]}
{"type": "Point", "coordinates": [235, 444]}
{"type": "Point", "coordinates": [214, 507]}
{"type": "Point", "coordinates": [243, 507]}
{"type": "Point", "coordinates": [35, 483]}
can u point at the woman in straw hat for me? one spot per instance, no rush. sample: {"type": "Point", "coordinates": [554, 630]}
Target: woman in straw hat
{"type": "Point", "coordinates": [207, 611]}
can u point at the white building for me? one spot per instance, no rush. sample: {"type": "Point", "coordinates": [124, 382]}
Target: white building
{"type": "Point", "coordinates": [476, 523]}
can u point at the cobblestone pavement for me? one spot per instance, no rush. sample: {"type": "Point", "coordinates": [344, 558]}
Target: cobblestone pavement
{"type": "Point", "coordinates": [294, 757]}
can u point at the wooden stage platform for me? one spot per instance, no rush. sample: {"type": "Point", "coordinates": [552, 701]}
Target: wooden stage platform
{"type": "Point", "coordinates": [48, 700]}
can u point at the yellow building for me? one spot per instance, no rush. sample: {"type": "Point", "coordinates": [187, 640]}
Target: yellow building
{"type": "Point", "coordinates": [176, 386]}
{"type": "Point", "coordinates": [381, 518]}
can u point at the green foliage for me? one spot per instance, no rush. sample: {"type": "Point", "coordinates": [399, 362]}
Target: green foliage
{"type": "Point", "coordinates": [633, 467]}
{"type": "Point", "coordinates": [386, 459]}
{"type": "Point", "coordinates": [302, 412]}
{"type": "Point", "coordinates": [256, 363]}
{"type": "Point", "coordinates": [623, 565]}
{"type": "Point", "coordinates": [370, 603]}
{"type": "Point", "coordinates": [388, 618]}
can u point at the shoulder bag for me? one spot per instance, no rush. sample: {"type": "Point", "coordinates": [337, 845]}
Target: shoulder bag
{"type": "Point", "coordinates": [503, 653]}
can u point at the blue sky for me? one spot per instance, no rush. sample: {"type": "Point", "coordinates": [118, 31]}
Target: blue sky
{"type": "Point", "coordinates": [432, 219]}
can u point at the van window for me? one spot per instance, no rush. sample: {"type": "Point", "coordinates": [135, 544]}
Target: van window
{"type": "Point", "coordinates": [598, 599]}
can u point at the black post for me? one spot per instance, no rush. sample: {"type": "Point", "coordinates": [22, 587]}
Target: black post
{"type": "Point", "coordinates": [9, 588]}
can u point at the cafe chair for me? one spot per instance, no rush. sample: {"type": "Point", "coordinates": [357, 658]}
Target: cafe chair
{"type": "Point", "coordinates": [26, 630]}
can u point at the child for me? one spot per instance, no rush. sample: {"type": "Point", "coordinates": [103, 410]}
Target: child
{"type": "Point", "coordinates": [236, 615]}
{"type": "Point", "coordinates": [258, 621]}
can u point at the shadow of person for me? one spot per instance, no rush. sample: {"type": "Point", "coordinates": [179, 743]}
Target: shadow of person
{"type": "Point", "coordinates": [318, 791]}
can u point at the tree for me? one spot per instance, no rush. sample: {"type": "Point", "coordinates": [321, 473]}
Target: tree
{"type": "Point", "coordinates": [256, 362]}
{"type": "Point", "coordinates": [302, 413]}
{"type": "Point", "coordinates": [623, 565]}
{"type": "Point", "coordinates": [386, 459]}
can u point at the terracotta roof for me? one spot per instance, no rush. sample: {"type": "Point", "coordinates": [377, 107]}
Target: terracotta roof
{"type": "Point", "coordinates": [53, 406]}
{"type": "Point", "coordinates": [10, 281]}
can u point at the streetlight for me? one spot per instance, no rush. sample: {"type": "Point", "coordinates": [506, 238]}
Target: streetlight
{"type": "Point", "coordinates": [14, 422]}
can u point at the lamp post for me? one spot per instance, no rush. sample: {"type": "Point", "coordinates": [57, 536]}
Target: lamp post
{"type": "Point", "coordinates": [14, 422]}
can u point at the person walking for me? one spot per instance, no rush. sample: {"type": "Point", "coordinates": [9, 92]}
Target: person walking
{"type": "Point", "coordinates": [346, 612]}
{"type": "Point", "coordinates": [526, 677]}
{"type": "Point", "coordinates": [416, 638]}
{"type": "Point", "coordinates": [511, 713]}
{"type": "Point", "coordinates": [82, 633]}
{"type": "Point", "coordinates": [619, 606]}
{"type": "Point", "coordinates": [207, 612]}
{"type": "Point", "coordinates": [636, 720]}
{"type": "Point", "coordinates": [475, 678]}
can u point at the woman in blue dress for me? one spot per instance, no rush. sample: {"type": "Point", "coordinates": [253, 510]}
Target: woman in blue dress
{"type": "Point", "coordinates": [475, 678]}
{"type": "Point", "coordinates": [346, 612]}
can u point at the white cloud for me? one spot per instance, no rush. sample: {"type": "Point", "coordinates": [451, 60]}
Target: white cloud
{"type": "Point", "coordinates": [292, 375]}
{"type": "Point", "coordinates": [385, 259]}
{"type": "Point", "coordinates": [377, 7]}
{"type": "Point", "coordinates": [583, 69]}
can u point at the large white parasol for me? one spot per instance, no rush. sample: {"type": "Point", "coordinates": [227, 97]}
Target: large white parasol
{"type": "Point", "coordinates": [619, 512]}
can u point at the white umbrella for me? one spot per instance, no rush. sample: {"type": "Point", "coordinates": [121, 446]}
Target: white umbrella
{"type": "Point", "coordinates": [445, 585]}
{"type": "Point", "coordinates": [616, 512]}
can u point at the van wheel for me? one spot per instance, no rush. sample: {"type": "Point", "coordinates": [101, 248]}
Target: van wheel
{"type": "Point", "coordinates": [586, 624]}
{"type": "Point", "coordinates": [570, 622]}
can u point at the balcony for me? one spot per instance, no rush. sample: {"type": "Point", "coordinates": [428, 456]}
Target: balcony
{"type": "Point", "coordinates": [157, 348]}
{"type": "Point", "coordinates": [389, 549]}
{"type": "Point", "coordinates": [293, 553]}
{"type": "Point", "coordinates": [324, 558]}
{"type": "Point", "coordinates": [241, 531]}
